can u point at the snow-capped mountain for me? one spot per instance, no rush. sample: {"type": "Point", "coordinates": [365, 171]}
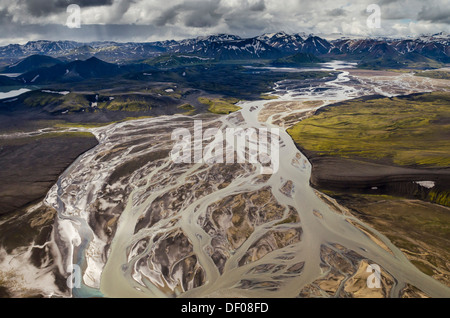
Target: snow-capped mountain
{"type": "Point", "coordinates": [430, 47]}
{"type": "Point", "coordinates": [233, 49]}
{"type": "Point", "coordinates": [50, 48]}
{"type": "Point", "coordinates": [222, 46]}
{"type": "Point", "coordinates": [219, 38]}
{"type": "Point", "coordinates": [284, 42]}
{"type": "Point", "coordinates": [226, 46]}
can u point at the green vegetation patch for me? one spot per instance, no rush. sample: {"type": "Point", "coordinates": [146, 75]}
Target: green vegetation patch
{"type": "Point", "coordinates": [221, 106]}
{"type": "Point", "coordinates": [420, 229]}
{"type": "Point", "coordinates": [188, 108]}
{"type": "Point", "coordinates": [81, 125]}
{"type": "Point", "coordinates": [53, 102]}
{"type": "Point", "coordinates": [268, 97]}
{"type": "Point", "coordinates": [77, 102]}
{"type": "Point", "coordinates": [411, 61]}
{"type": "Point", "coordinates": [441, 197]}
{"type": "Point", "coordinates": [177, 60]}
{"type": "Point", "coordinates": [299, 59]}
{"type": "Point", "coordinates": [413, 130]}
{"type": "Point", "coordinates": [435, 74]}
{"type": "Point", "coordinates": [126, 104]}
{"type": "Point", "coordinates": [40, 99]}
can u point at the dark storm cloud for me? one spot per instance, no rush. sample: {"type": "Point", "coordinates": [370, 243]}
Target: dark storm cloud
{"type": "Point", "coordinates": [259, 6]}
{"type": "Point", "coordinates": [5, 17]}
{"type": "Point", "coordinates": [122, 7]}
{"type": "Point", "coordinates": [203, 18]}
{"type": "Point", "coordinates": [168, 17]}
{"type": "Point", "coordinates": [382, 2]}
{"type": "Point", "coordinates": [338, 12]}
{"type": "Point", "coordinates": [436, 14]}
{"type": "Point", "coordinates": [39, 8]}
{"type": "Point", "coordinates": [197, 14]}
{"type": "Point", "coordinates": [90, 33]}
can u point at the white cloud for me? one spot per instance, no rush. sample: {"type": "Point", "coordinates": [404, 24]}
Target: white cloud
{"type": "Point", "coordinates": [178, 18]}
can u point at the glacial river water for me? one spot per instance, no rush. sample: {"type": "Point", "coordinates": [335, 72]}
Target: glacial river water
{"type": "Point", "coordinates": [81, 186]}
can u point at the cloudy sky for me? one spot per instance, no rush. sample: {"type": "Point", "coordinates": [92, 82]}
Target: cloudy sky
{"type": "Point", "coordinates": [149, 20]}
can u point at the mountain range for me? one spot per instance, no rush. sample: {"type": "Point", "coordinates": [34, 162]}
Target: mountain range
{"type": "Point", "coordinates": [231, 47]}
{"type": "Point", "coordinates": [42, 62]}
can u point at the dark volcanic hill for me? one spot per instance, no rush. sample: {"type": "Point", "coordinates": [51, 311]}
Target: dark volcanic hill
{"type": "Point", "coordinates": [31, 63]}
{"type": "Point", "coordinates": [73, 72]}
{"type": "Point", "coordinates": [298, 59]}
{"type": "Point", "coordinates": [7, 81]}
